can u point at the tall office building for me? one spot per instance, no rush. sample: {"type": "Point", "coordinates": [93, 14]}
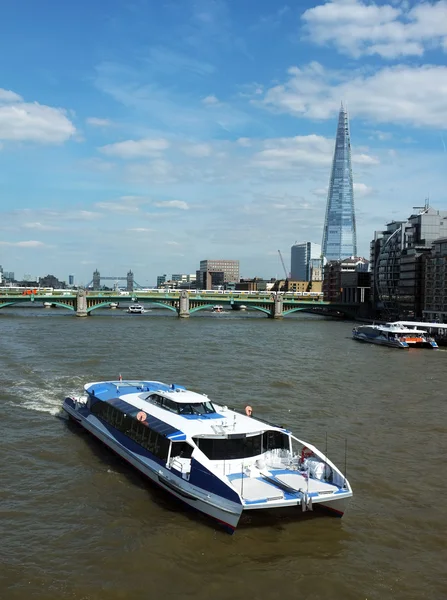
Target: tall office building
{"type": "Point", "coordinates": [339, 235]}
{"type": "Point", "coordinates": [217, 272]}
{"type": "Point", "coordinates": [304, 257]}
{"type": "Point", "coordinates": [398, 262]}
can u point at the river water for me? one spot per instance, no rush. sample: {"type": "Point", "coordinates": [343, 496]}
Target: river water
{"type": "Point", "coordinates": [78, 523]}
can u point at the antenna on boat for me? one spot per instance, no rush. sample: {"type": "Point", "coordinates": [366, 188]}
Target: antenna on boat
{"type": "Point", "coordinates": [346, 454]}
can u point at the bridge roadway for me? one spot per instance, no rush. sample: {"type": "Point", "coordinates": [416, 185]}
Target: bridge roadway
{"type": "Point", "coordinates": [182, 302]}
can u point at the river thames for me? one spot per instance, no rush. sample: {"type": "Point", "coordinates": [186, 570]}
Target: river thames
{"type": "Point", "coordinates": [77, 523]}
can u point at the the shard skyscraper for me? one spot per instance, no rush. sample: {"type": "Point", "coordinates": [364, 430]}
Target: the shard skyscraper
{"type": "Point", "coordinates": [339, 236]}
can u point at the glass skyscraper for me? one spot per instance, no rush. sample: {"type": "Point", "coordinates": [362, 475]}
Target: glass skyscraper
{"type": "Point", "coordinates": [339, 237]}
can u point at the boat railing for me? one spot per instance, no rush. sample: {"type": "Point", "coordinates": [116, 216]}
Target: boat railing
{"type": "Point", "coordinates": [241, 412]}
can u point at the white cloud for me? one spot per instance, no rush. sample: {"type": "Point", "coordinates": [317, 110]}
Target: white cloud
{"type": "Point", "coordinates": [40, 226]}
{"type": "Point", "coordinates": [80, 215]}
{"type": "Point", "coordinates": [401, 94]}
{"type": "Point", "coordinates": [140, 229]}
{"type": "Point", "coordinates": [288, 153]}
{"type": "Point", "coordinates": [197, 150]}
{"type": "Point", "coordinates": [302, 152]}
{"type": "Point", "coordinates": [365, 159]}
{"type": "Point", "coordinates": [124, 204]}
{"type": "Point", "coordinates": [27, 244]}
{"type": "Point", "coordinates": [9, 96]}
{"type": "Point", "coordinates": [117, 207]}
{"type": "Point", "coordinates": [357, 28]}
{"type": "Point", "coordinates": [24, 121]}
{"type": "Point", "coordinates": [210, 101]}
{"type": "Point", "coordinates": [156, 171]}
{"type": "Point", "coordinates": [95, 122]}
{"type": "Point", "coordinates": [130, 149]}
{"type": "Point", "coordinates": [172, 204]}
{"type": "Point", "coordinates": [361, 190]}
{"type": "Point", "coordinates": [244, 142]}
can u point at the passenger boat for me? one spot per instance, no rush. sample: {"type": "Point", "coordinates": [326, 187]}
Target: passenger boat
{"type": "Point", "coordinates": [136, 309]}
{"type": "Point", "coordinates": [394, 335]}
{"type": "Point", "coordinates": [217, 460]}
{"type": "Point", "coordinates": [217, 308]}
{"type": "Point", "coordinates": [114, 305]}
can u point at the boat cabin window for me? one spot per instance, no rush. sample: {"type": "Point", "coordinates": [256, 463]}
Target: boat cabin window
{"type": "Point", "coordinates": [156, 443]}
{"type": "Point", "coordinates": [181, 449]}
{"type": "Point", "coordinates": [196, 408]}
{"type": "Point", "coordinates": [242, 446]}
{"type": "Point", "coordinates": [182, 408]}
{"type": "Point", "coordinates": [230, 448]}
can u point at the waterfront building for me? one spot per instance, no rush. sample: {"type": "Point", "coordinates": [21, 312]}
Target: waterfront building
{"type": "Point", "coordinates": [216, 273]}
{"type": "Point", "coordinates": [339, 274]}
{"type": "Point", "coordinates": [435, 308]}
{"type": "Point", "coordinates": [161, 280]}
{"type": "Point", "coordinates": [339, 233]}
{"type": "Point", "coordinates": [51, 281]}
{"type": "Point", "coordinates": [304, 258]}
{"type": "Point", "coordinates": [398, 258]}
{"type": "Point", "coordinates": [183, 278]}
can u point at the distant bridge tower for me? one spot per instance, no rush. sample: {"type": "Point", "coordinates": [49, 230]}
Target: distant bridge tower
{"type": "Point", "coordinates": [96, 280]}
{"type": "Point", "coordinates": [131, 284]}
{"type": "Point", "coordinates": [130, 281]}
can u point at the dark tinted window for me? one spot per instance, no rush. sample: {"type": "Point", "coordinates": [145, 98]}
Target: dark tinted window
{"type": "Point", "coordinates": [227, 449]}
{"type": "Point", "coordinates": [181, 449]}
{"type": "Point", "coordinates": [136, 430]}
{"type": "Point", "coordinates": [275, 439]}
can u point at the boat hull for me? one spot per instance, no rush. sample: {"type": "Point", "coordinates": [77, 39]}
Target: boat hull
{"type": "Point", "coordinates": [227, 514]}
{"type": "Point", "coordinates": [379, 341]}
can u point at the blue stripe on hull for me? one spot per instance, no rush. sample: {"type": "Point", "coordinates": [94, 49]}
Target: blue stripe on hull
{"type": "Point", "coordinates": [227, 526]}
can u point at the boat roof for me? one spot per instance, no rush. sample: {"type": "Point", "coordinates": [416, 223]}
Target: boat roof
{"type": "Point", "coordinates": [395, 328]}
{"type": "Point", "coordinates": [422, 324]}
{"type": "Point", "coordinates": [132, 396]}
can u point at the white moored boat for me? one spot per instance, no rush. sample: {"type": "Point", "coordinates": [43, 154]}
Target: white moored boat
{"type": "Point", "coordinates": [217, 308]}
{"type": "Point", "coordinates": [136, 309]}
{"type": "Point", "coordinates": [219, 461]}
{"type": "Point", "coordinates": [394, 335]}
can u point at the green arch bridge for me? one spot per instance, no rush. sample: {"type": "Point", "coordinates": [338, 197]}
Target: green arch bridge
{"type": "Point", "coordinates": [184, 303]}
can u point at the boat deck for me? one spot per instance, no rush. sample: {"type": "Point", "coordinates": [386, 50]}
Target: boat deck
{"type": "Point", "coordinates": [281, 484]}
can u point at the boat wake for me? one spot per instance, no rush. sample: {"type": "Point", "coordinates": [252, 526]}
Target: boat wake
{"type": "Point", "coordinates": [48, 398]}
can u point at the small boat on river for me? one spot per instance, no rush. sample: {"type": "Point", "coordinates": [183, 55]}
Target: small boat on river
{"type": "Point", "coordinates": [136, 309]}
{"type": "Point", "coordinates": [220, 461]}
{"type": "Point", "coordinates": [217, 308]}
{"type": "Point", "coordinates": [394, 335]}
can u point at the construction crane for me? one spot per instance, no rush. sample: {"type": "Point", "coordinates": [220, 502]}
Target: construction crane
{"type": "Point", "coordinates": [286, 282]}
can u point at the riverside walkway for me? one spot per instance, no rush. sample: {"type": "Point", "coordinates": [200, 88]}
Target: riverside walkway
{"type": "Point", "coordinates": [183, 303]}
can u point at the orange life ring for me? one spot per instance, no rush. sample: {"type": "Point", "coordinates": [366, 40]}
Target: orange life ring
{"type": "Point", "coordinates": [305, 453]}
{"type": "Point", "coordinates": [141, 416]}
{"type": "Point", "coordinates": [248, 410]}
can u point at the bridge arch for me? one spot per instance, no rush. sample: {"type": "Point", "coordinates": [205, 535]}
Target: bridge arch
{"type": "Point", "coordinates": [201, 307]}
{"type": "Point", "coordinates": [63, 305]}
{"type": "Point", "coordinates": [163, 305]}
{"type": "Point", "coordinates": [95, 306]}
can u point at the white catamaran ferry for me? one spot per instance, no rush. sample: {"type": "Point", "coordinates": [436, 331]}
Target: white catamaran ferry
{"type": "Point", "coordinates": [219, 461]}
{"type": "Point", "coordinates": [395, 335]}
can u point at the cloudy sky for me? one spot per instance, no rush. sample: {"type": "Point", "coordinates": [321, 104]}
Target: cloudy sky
{"type": "Point", "coordinates": [150, 134]}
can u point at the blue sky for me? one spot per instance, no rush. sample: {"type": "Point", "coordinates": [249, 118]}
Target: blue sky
{"type": "Point", "coordinates": [151, 134]}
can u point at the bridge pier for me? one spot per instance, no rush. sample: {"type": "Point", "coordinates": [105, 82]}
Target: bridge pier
{"type": "Point", "coordinates": [278, 307]}
{"type": "Point", "coordinates": [81, 304]}
{"type": "Point", "coordinates": [183, 306]}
